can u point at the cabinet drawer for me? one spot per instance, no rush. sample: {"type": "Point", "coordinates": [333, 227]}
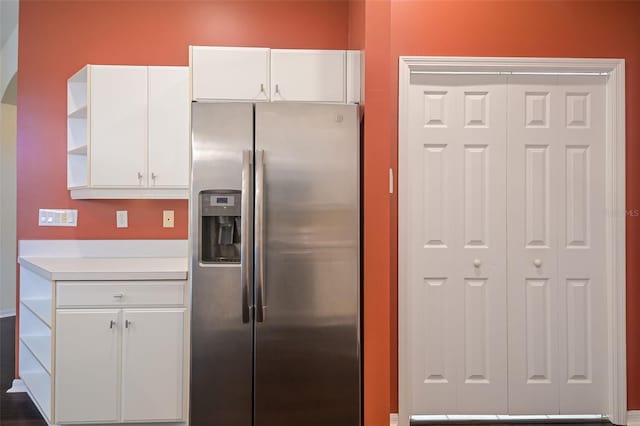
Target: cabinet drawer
{"type": "Point", "coordinates": [119, 293]}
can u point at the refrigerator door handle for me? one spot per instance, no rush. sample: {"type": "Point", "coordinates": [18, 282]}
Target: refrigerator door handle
{"type": "Point", "coordinates": [259, 236]}
{"type": "Point", "coordinates": [245, 234]}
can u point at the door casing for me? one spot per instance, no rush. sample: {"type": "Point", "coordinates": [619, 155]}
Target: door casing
{"type": "Point", "coordinates": [615, 237]}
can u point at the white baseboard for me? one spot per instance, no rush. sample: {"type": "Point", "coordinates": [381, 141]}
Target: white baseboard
{"type": "Point", "coordinates": [393, 419]}
{"type": "Point", "coordinates": [5, 313]}
{"type": "Point", "coordinates": [17, 386]}
{"type": "Point", "coordinates": [633, 418]}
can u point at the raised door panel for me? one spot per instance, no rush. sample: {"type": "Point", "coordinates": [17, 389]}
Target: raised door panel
{"type": "Point", "coordinates": [481, 261]}
{"type": "Point", "coordinates": [169, 127]}
{"type": "Point", "coordinates": [87, 366]}
{"type": "Point", "coordinates": [581, 246]}
{"type": "Point", "coordinates": [457, 255]}
{"type": "Point", "coordinates": [308, 75]}
{"type": "Point", "coordinates": [534, 166]}
{"type": "Point", "coordinates": [152, 364]}
{"type": "Point", "coordinates": [230, 73]}
{"type": "Point", "coordinates": [118, 126]}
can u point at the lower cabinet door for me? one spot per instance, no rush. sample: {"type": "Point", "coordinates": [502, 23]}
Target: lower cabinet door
{"type": "Point", "coordinates": [86, 366]}
{"type": "Point", "coordinates": [153, 364]}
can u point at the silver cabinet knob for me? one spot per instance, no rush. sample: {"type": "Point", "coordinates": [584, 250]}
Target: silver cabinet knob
{"type": "Point", "coordinates": [477, 263]}
{"type": "Point", "coordinates": [537, 263]}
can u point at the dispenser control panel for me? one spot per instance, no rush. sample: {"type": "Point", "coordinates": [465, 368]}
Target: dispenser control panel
{"type": "Point", "coordinates": [222, 201]}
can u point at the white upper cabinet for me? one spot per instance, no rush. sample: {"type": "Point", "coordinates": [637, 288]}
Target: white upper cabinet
{"type": "Point", "coordinates": [118, 125]}
{"type": "Point", "coordinates": [308, 75]}
{"type": "Point", "coordinates": [168, 127]}
{"type": "Point", "coordinates": [353, 76]}
{"type": "Point", "coordinates": [257, 74]}
{"type": "Point", "coordinates": [230, 73]}
{"type": "Point", "coordinates": [128, 132]}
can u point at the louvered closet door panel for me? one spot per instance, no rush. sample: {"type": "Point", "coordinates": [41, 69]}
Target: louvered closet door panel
{"type": "Point", "coordinates": [457, 244]}
{"type": "Point", "coordinates": [534, 169]}
{"type": "Point", "coordinates": [581, 243]}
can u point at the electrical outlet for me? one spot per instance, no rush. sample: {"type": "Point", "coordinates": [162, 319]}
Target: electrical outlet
{"type": "Point", "coordinates": [167, 219]}
{"type": "Point", "coordinates": [57, 217]}
{"type": "Point", "coordinates": [122, 219]}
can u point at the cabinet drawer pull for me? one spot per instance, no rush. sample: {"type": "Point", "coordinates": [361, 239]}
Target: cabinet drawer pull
{"type": "Point", "coordinates": [112, 324]}
{"type": "Point", "coordinates": [118, 295]}
{"type": "Point", "coordinates": [127, 323]}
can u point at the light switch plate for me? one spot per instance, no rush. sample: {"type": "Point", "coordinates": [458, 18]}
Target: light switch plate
{"type": "Point", "coordinates": [57, 217]}
{"type": "Point", "coordinates": [167, 219]}
{"type": "Point", "coordinates": [122, 219]}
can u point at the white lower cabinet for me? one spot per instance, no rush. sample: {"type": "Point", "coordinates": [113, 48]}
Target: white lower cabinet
{"type": "Point", "coordinates": [99, 352]}
{"type": "Point", "coordinates": [87, 365]}
{"type": "Point", "coordinates": [119, 365]}
{"type": "Point", "coordinates": [152, 358]}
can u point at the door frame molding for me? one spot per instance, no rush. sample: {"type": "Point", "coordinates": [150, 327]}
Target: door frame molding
{"type": "Point", "coordinates": [615, 176]}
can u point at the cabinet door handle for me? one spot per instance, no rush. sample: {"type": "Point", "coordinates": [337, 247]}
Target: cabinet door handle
{"type": "Point", "coordinates": [127, 323]}
{"type": "Point", "coordinates": [277, 92]}
{"type": "Point", "coordinates": [118, 295]}
{"type": "Point", "coordinates": [153, 176]}
{"type": "Point", "coordinates": [139, 175]}
{"type": "Point", "coordinates": [112, 324]}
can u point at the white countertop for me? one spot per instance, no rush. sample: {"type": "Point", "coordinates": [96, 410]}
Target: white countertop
{"type": "Point", "coordinates": [107, 268]}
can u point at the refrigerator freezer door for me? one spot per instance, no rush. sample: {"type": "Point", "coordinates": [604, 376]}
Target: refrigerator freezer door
{"type": "Point", "coordinates": [221, 333]}
{"type": "Point", "coordinates": [307, 346]}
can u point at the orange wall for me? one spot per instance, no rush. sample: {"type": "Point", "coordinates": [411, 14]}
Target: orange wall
{"type": "Point", "coordinates": [377, 232]}
{"type": "Point", "coordinates": [57, 38]}
{"type": "Point", "coordinates": [605, 29]}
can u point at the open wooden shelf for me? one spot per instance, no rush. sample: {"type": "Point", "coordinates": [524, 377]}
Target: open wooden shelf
{"type": "Point", "coordinates": [40, 308]}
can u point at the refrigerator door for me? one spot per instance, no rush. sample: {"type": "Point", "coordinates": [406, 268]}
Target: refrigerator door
{"type": "Point", "coordinates": [307, 240]}
{"type": "Point", "coordinates": [221, 329]}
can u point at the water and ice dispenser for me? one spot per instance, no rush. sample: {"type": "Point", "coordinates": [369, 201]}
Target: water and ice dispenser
{"type": "Point", "coordinates": [220, 226]}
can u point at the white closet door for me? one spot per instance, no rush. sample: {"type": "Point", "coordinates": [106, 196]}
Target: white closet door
{"type": "Point", "coordinates": [581, 247]}
{"type": "Point", "coordinates": [555, 230]}
{"type": "Point", "coordinates": [457, 262]}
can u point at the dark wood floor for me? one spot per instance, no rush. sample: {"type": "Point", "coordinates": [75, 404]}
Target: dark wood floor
{"type": "Point", "coordinates": [16, 409]}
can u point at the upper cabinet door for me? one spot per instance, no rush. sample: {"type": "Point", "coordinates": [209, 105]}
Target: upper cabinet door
{"type": "Point", "coordinates": [118, 125]}
{"type": "Point", "coordinates": [230, 73]}
{"type": "Point", "coordinates": [308, 75]}
{"type": "Point", "coordinates": [168, 127]}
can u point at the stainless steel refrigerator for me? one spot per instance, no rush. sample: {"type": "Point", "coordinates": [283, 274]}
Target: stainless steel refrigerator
{"type": "Point", "coordinates": [275, 265]}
